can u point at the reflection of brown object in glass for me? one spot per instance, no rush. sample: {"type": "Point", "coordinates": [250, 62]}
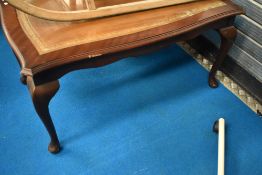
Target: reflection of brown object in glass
{"type": "Point", "coordinates": [92, 11]}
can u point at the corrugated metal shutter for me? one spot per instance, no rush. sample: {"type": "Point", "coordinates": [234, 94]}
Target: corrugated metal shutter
{"type": "Point", "coordinates": [247, 49]}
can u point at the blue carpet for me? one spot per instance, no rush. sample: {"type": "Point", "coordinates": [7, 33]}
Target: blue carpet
{"type": "Point", "coordinates": [151, 115]}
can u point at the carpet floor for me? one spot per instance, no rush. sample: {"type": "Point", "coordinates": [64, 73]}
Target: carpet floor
{"type": "Point", "coordinates": [151, 115]}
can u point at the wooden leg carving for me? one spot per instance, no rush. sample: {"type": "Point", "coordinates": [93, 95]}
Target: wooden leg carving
{"type": "Point", "coordinates": [23, 79]}
{"type": "Point", "coordinates": [228, 36]}
{"type": "Point", "coordinates": [41, 96]}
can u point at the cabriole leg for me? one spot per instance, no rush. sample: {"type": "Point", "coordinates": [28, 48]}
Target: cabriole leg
{"type": "Point", "coordinates": [228, 36]}
{"type": "Point", "coordinates": [41, 96]}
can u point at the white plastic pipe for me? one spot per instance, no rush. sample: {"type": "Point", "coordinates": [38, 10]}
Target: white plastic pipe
{"type": "Point", "coordinates": [221, 147]}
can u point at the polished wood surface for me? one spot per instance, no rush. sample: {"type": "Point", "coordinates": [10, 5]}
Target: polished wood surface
{"type": "Point", "coordinates": [68, 34]}
{"type": "Point", "coordinates": [48, 50]}
{"type": "Point", "coordinates": [56, 40]}
{"type": "Point", "coordinates": [41, 96]}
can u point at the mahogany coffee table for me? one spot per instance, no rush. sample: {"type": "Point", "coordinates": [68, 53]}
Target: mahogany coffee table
{"type": "Point", "coordinates": [47, 50]}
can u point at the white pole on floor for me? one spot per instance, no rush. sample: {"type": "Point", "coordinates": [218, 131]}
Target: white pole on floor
{"type": "Point", "coordinates": [219, 127]}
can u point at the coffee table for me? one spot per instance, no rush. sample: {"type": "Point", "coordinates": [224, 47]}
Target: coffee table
{"type": "Point", "coordinates": [47, 50]}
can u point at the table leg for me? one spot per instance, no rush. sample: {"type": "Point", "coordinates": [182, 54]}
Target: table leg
{"type": "Point", "coordinates": [228, 36]}
{"type": "Point", "coordinates": [41, 96]}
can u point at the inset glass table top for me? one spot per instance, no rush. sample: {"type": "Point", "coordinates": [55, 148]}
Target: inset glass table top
{"type": "Point", "coordinates": [72, 10]}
